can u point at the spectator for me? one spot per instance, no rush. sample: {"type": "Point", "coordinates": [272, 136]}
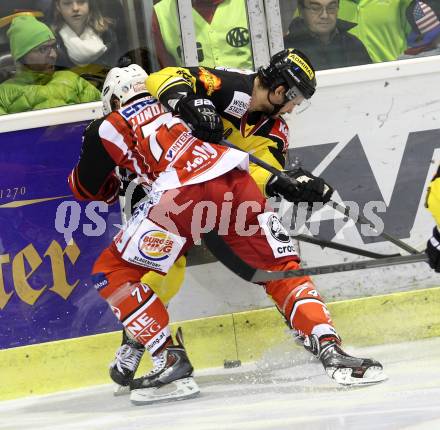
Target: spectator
{"type": "Point", "coordinates": [323, 37]}
{"type": "Point", "coordinates": [88, 43]}
{"type": "Point", "coordinates": [424, 39]}
{"type": "Point", "coordinates": [36, 84]}
{"type": "Point", "coordinates": [221, 28]}
{"type": "Point", "coordinates": [382, 26]}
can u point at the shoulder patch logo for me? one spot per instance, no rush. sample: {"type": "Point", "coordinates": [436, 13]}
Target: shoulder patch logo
{"type": "Point", "coordinates": [210, 81]}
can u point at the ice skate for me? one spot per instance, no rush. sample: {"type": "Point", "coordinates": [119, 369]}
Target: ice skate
{"type": "Point", "coordinates": [170, 379]}
{"type": "Point", "coordinates": [125, 364]}
{"type": "Point", "coordinates": [343, 368]}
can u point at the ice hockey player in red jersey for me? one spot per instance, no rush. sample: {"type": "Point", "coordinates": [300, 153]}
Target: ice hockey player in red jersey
{"type": "Point", "coordinates": [106, 180]}
{"type": "Point", "coordinates": [185, 174]}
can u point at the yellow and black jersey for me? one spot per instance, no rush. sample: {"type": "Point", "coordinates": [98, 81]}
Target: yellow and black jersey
{"type": "Point", "coordinates": [230, 91]}
{"type": "Point", "coordinates": [433, 197]}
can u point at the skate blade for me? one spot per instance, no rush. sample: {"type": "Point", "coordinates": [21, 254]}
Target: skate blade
{"type": "Point", "coordinates": [120, 390]}
{"type": "Point", "coordinates": [181, 389]}
{"type": "Point", "coordinates": [373, 375]}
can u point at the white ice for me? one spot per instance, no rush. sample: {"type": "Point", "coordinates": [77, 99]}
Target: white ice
{"type": "Point", "coordinates": [284, 390]}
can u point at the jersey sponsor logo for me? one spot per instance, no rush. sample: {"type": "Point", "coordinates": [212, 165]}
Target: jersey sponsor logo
{"type": "Point", "coordinates": [145, 262]}
{"type": "Point", "coordinates": [239, 104]}
{"type": "Point", "coordinates": [276, 235]}
{"type": "Point", "coordinates": [151, 346]}
{"type": "Point", "coordinates": [155, 245]}
{"type": "Point", "coordinates": [183, 139]}
{"type": "Point", "coordinates": [210, 81]}
{"type": "Point", "coordinates": [238, 37]}
{"type": "Point", "coordinates": [99, 281]}
{"type": "Point", "coordinates": [202, 153]}
{"type": "Point", "coordinates": [287, 249]}
{"type": "Point", "coordinates": [149, 245]}
{"type": "Point", "coordinates": [143, 327]}
{"type": "Point", "coordinates": [136, 107]}
{"type": "Point", "coordinates": [302, 64]}
{"type": "Point", "coordinates": [277, 230]}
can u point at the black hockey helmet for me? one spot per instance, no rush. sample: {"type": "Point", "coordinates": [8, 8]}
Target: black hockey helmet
{"type": "Point", "coordinates": [292, 69]}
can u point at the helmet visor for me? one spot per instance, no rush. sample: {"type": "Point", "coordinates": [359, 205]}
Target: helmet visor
{"type": "Point", "coordinates": [301, 104]}
{"type": "Point", "coordinates": [293, 92]}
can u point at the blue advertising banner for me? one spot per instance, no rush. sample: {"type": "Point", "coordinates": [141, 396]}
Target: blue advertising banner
{"type": "Point", "coordinates": [45, 289]}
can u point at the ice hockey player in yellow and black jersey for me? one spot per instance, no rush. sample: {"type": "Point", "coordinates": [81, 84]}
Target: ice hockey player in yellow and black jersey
{"type": "Point", "coordinates": [246, 107]}
{"type": "Point", "coordinates": [433, 204]}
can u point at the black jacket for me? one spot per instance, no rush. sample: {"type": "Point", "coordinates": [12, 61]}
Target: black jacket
{"type": "Point", "coordinates": [344, 49]}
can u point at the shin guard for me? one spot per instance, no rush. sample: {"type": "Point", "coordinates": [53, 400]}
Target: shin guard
{"type": "Point", "coordinates": [300, 303]}
{"type": "Point", "coordinates": [142, 314]}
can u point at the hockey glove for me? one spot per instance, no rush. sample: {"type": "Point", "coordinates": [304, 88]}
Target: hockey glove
{"type": "Point", "coordinates": [305, 187]}
{"type": "Point", "coordinates": [433, 250]}
{"type": "Point", "coordinates": [202, 117]}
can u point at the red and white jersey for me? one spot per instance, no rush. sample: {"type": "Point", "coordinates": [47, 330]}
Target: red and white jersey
{"type": "Point", "coordinates": [159, 148]}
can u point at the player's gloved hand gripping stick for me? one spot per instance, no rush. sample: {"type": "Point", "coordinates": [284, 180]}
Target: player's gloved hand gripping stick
{"type": "Point", "coordinates": [325, 199]}
{"type": "Point", "coordinates": [224, 254]}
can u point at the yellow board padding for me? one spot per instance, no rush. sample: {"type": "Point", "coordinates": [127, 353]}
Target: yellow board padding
{"type": "Point", "coordinates": [398, 317]}
{"type": "Point", "coordinates": [80, 362]}
{"type": "Point", "coordinates": [257, 331]}
{"type": "Point", "coordinates": [391, 318]}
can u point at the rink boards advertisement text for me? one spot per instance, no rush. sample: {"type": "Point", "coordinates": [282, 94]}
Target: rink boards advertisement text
{"type": "Point", "coordinates": [372, 134]}
{"type": "Point", "coordinates": [45, 288]}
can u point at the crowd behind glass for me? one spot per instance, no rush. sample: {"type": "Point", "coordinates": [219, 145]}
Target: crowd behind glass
{"type": "Point", "coordinates": [57, 52]}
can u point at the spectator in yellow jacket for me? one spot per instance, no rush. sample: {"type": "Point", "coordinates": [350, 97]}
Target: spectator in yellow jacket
{"type": "Point", "coordinates": [382, 26]}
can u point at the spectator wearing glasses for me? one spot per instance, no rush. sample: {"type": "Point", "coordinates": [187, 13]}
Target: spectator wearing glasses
{"type": "Point", "coordinates": [382, 26]}
{"type": "Point", "coordinates": [36, 84]}
{"type": "Point", "coordinates": [88, 42]}
{"type": "Point", "coordinates": [323, 37]}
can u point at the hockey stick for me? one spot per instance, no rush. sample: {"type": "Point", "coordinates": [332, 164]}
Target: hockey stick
{"type": "Point", "coordinates": [359, 219]}
{"type": "Point", "coordinates": [340, 247]}
{"type": "Point", "coordinates": [225, 255]}
{"type": "Point", "coordinates": [337, 206]}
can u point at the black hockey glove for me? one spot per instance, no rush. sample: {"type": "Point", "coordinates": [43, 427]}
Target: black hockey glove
{"type": "Point", "coordinates": [202, 117]}
{"type": "Point", "coordinates": [305, 187]}
{"type": "Point", "coordinates": [433, 250]}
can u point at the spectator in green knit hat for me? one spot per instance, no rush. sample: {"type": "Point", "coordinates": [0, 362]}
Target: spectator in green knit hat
{"type": "Point", "coordinates": [36, 84]}
{"type": "Point", "coordinates": [27, 33]}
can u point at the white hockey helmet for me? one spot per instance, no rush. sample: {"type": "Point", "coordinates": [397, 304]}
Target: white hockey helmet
{"type": "Point", "coordinates": [123, 83]}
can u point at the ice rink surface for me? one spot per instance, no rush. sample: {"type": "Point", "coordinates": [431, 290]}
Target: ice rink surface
{"type": "Point", "coordinates": [284, 390]}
